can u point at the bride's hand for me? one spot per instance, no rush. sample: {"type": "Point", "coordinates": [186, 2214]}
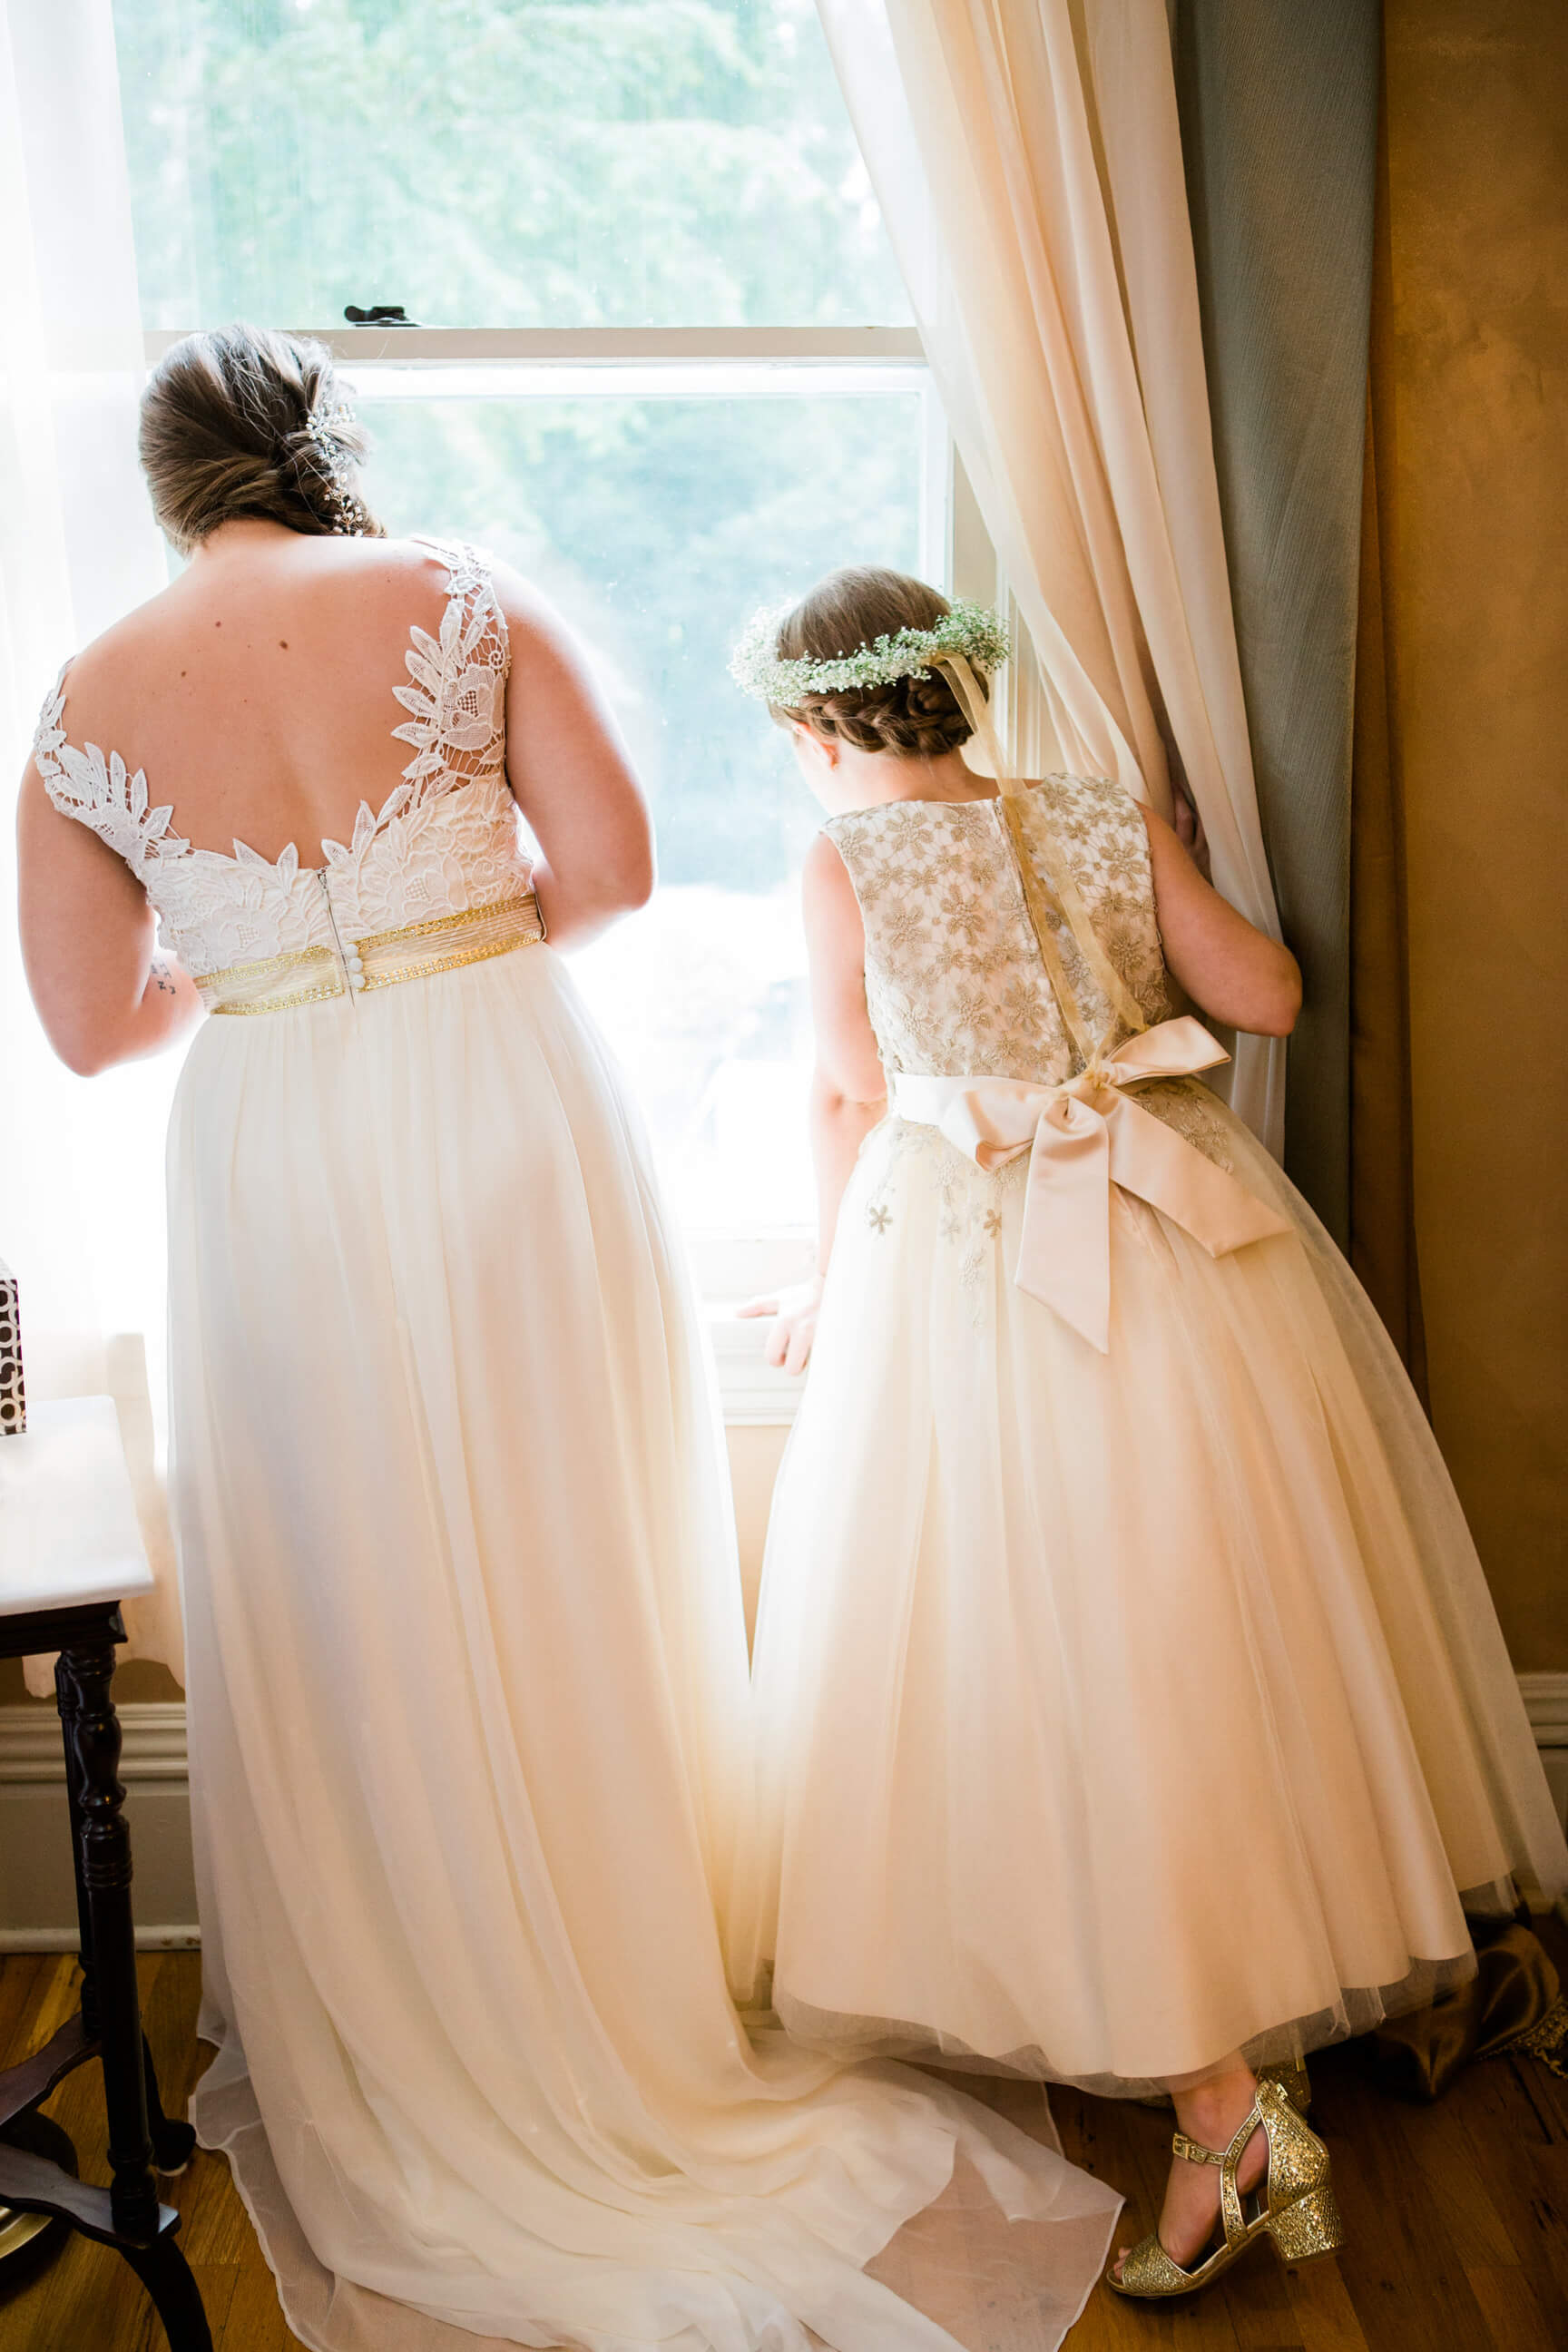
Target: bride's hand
{"type": "Point", "coordinates": [794, 1323]}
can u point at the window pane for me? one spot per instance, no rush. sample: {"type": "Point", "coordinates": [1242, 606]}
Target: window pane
{"type": "Point", "coordinates": [496, 163]}
{"type": "Point", "coordinates": [657, 525]}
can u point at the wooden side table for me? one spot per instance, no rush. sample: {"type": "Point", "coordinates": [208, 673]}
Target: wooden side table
{"type": "Point", "coordinates": [70, 1552]}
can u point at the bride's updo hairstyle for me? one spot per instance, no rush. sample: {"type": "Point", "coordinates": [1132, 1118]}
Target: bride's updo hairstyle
{"type": "Point", "coordinates": [241, 421]}
{"type": "Point", "coordinates": [916, 717]}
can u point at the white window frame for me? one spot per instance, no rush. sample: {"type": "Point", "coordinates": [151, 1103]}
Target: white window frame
{"type": "Point", "coordinates": [736, 1262]}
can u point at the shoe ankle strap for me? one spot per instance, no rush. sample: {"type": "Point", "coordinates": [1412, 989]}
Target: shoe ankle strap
{"type": "Point", "coordinates": [1261, 2115]}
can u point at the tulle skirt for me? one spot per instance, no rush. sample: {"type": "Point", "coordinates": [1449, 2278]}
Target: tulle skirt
{"type": "Point", "coordinates": [1118, 1712]}
{"type": "Point", "coordinates": [469, 1744]}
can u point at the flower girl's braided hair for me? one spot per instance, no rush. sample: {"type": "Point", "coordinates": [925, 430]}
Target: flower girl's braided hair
{"type": "Point", "coordinates": [854, 625]}
{"type": "Point", "coordinates": [241, 421]}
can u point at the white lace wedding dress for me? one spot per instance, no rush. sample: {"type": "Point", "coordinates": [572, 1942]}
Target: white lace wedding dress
{"type": "Point", "coordinates": [467, 1666]}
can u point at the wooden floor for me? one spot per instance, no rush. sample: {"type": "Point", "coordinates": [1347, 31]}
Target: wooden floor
{"type": "Point", "coordinates": [1457, 2216]}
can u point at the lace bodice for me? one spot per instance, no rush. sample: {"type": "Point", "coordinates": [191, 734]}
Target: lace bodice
{"type": "Point", "coordinates": [445, 840]}
{"type": "Point", "coordinates": [954, 982]}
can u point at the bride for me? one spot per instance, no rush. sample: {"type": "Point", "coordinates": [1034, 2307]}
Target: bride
{"type": "Point", "coordinates": [467, 1666]}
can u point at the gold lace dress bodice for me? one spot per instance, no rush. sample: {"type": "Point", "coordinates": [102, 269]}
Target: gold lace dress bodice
{"type": "Point", "coordinates": [956, 985]}
{"type": "Point", "coordinates": [954, 982]}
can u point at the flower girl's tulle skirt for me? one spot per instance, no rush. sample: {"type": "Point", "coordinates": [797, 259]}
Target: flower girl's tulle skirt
{"type": "Point", "coordinates": [1118, 1711]}
{"type": "Point", "coordinates": [469, 1759]}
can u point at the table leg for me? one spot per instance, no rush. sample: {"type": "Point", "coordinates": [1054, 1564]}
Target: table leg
{"type": "Point", "coordinates": [67, 1699]}
{"type": "Point", "coordinates": [166, 2276]}
{"type": "Point", "coordinates": [83, 1676]}
{"type": "Point", "coordinates": [173, 2143]}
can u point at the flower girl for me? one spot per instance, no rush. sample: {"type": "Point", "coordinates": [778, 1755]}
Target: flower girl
{"type": "Point", "coordinates": [1133, 1712]}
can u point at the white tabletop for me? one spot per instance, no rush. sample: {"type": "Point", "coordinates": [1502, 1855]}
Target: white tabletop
{"type": "Point", "coordinates": [68, 1535]}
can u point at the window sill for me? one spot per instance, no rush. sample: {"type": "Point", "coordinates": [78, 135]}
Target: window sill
{"type": "Point", "coordinates": [438, 346]}
{"type": "Point", "coordinates": [751, 1393]}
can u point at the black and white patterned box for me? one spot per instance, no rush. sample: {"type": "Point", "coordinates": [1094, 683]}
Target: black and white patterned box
{"type": "Point", "coordinates": [13, 1395]}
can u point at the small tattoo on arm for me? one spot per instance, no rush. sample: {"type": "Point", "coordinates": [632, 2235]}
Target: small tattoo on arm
{"type": "Point", "coordinates": [162, 978]}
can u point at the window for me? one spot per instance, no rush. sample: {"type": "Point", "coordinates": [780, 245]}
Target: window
{"type": "Point", "coordinates": [495, 163]}
{"type": "Point", "coordinates": [664, 366]}
{"type": "Point", "coordinates": [656, 507]}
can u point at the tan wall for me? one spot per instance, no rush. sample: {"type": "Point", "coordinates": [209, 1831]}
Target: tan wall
{"type": "Point", "coordinates": [1478, 147]}
{"type": "Point", "coordinates": [137, 1680]}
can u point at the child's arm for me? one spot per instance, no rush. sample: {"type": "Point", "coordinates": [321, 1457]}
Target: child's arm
{"type": "Point", "coordinates": [1227, 967]}
{"type": "Point", "coordinates": [848, 1086]}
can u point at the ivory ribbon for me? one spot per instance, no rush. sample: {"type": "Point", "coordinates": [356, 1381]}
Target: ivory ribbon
{"type": "Point", "coordinates": [1082, 1136]}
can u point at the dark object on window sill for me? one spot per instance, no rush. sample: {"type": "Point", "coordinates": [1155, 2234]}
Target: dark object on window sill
{"type": "Point", "coordinates": [380, 314]}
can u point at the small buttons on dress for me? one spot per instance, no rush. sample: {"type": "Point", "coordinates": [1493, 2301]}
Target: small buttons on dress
{"type": "Point", "coordinates": [355, 963]}
{"type": "Point", "coordinates": [356, 980]}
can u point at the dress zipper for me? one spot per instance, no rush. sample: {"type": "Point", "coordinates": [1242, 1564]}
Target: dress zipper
{"type": "Point", "coordinates": [353, 964]}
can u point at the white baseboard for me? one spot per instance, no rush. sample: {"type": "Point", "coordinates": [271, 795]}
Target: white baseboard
{"type": "Point", "coordinates": [153, 1735]}
{"type": "Point", "coordinates": [64, 1939]}
{"type": "Point", "coordinates": [1545, 1700]}
{"type": "Point", "coordinates": [38, 1906]}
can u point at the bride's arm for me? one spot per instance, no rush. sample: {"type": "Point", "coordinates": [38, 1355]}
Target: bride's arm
{"type": "Point", "coordinates": [848, 1086]}
{"type": "Point", "coordinates": [104, 993]}
{"type": "Point", "coordinates": [571, 776]}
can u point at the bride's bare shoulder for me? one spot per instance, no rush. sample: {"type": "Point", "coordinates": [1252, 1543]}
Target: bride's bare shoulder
{"type": "Point", "coordinates": [254, 594]}
{"type": "Point", "coordinates": [534, 623]}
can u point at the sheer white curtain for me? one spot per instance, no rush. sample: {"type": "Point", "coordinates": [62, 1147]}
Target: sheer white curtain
{"type": "Point", "coordinates": [1028, 159]}
{"type": "Point", "coordinates": [80, 1161]}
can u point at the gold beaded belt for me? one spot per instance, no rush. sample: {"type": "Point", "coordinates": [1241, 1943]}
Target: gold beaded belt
{"type": "Point", "coordinates": [311, 975]}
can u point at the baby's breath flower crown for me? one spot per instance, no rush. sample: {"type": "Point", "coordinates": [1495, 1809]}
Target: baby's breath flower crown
{"type": "Point", "coordinates": [967, 629]}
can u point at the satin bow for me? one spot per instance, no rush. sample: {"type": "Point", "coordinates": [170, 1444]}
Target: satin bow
{"type": "Point", "coordinates": [1082, 1136]}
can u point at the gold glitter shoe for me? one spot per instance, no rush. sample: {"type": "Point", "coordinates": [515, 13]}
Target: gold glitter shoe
{"type": "Point", "coordinates": [1296, 2207]}
{"type": "Point", "coordinates": [1292, 2081]}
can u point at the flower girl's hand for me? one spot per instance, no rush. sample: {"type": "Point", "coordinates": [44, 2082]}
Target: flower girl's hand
{"type": "Point", "coordinates": [1188, 826]}
{"type": "Point", "coordinates": [794, 1323]}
